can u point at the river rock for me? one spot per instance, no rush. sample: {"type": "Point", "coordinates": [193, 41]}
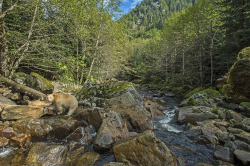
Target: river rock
{"type": "Point", "coordinates": [21, 140]}
{"type": "Point", "coordinates": [76, 135]}
{"type": "Point", "coordinates": [243, 156]}
{"type": "Point", "coordinates": [74, 154]}
{"type": "Point", "coordinates": [112, 129]}
{"type": "Point", "coordinates": [244, 124]}
{"type": "Point", "coordinates": [88, 158]}
{"type": "Point", "coordinates": [14, 112]}
{"type": "Point", "coordinates": [144, 149]}
{"type": "Point", "coordinates": [242, 145]}
{"type": "Point", "coordinates": [222, 163]}
{"type": "Point", "coordinates": [20, 77]}
{"type": "Point", "coordinates": [120, 97]}
{"type": "Point", "coordinates": [154, 108]}
{"type": "Point", "coordinates": [56, 127]}
{"type": "Point", "coordinates": [136, 113]}
{"type": "Point", "coordinates": [43, 154]}
{"type": "Point", "coordinates": [194, 114]}
{"type": "Point", "coordinates": [91, 115]}
{"type": "Point", "coordinates": [208, 97]}
{"type": "Point", "coordinates": [3, 142]}
{"type": "Point", "coordinates": [39, 103]}
{"type": "Point", "coordinates": [16, 96]}
{"type": "Point", "coordinates": [5, 101]}
{"type": "Point", "coordinates": [243, 136]}
{"type": "Point", "coordinates": [224, 154]}
{"type": "Point", "coordinates": [39, 83]}
{"type": "Point", "coordinates": [7, 132]}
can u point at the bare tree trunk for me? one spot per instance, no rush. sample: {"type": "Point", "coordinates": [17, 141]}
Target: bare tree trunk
{"type": "Point", "coordinates": [95, 54]}
{"type": "Point", "coordinates": [83, 54]}
{"type": "Point", "coordinates": [183, 62]}
{"type": "Point", "coordinates": [16, 64]}
{"type": "Point", "coordinates": [90, 70]}
{"type": "Point", "coordinates": [23, 89]}
{"type": "Point", "coordinates": [200, 66]}
{"type": "Point", "coordinates": [77, 66]}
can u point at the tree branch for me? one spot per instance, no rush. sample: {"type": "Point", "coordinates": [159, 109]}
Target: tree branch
{"type": "Point", "coordinates": [6, 11]}
{"type": "Point", "coordinates": [27, 44]}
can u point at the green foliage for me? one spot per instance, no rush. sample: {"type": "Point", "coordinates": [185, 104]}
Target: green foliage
{"type": "Point", "coordinates": [67, 37]}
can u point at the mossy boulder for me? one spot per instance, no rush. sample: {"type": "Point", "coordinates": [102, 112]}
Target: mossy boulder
{"type": "Point", "coordinates": [246, 107]}
{"type": "Point", "coordinates": [196, 90]}
{"type": "Point", "coordinates": [120, 97]}
{"type": "Point", "coordinates": [20, 77]}
{"type": "Point", "coordinates": [39, 83]}
{"type": "Point", "coordinates": [207, 97]}
{"type": "Point", "coordinates": [238, 83]}
{"type": "Point", "coordinates": [107, 90]}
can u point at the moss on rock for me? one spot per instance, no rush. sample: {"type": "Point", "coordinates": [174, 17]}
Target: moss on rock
{"type": "Point", "coordinates": [238, 83]}
{"type": "Point", "coordinates": [105, 90]}
{"type": "Point", "coordinates": [205, 97]}
{"type": "Point", "coordinates": [40, 83]}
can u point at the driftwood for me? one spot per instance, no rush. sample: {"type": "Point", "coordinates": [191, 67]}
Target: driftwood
{"type": "Point", "coordinates": [23, 89]}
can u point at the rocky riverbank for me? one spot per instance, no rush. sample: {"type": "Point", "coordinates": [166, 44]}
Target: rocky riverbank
{"type": "Point", "coordinates": [116, 125]}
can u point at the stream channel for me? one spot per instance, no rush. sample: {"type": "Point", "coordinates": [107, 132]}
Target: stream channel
{"type": "Point", "coordinates": [187, 151]}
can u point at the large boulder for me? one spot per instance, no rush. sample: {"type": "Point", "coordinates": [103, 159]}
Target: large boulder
{"type": "Point", "coordinates": [51, 128]}
{"type": "Point", "coordinates": [39, 83]}
{"type": "Point", "coordinates": [43, 154]}
{"type": "Point", "coordinates": [208, 97]}
{"type": "Point", "coordinates": [14, 112]}
{"type": "Point", "coordinates": [112, 129]}
{"type": "Point", "coordinates": [194, 114]}
{"type": "Point", "coordinates": [120, 97]}
{"type": "Point", "coordinates": [93, 116]}
{"type": "Point", "coordinates": [144, 149]}
{"type": "Point", "coordinates": [239, 77]}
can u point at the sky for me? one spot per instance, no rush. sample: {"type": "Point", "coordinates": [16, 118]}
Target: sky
{"type": "Point", "coordinates": [128, 5]}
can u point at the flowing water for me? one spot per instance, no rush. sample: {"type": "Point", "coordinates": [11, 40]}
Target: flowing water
{"type": "Point", "coordinates": [187, 151]}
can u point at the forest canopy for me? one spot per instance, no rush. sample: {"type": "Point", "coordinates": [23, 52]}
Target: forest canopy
{"type": "Point", "coordinates": [160, 42]}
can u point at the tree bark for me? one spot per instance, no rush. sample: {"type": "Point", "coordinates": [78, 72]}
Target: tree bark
{"type": "Point", "coordinates": [23, 89]}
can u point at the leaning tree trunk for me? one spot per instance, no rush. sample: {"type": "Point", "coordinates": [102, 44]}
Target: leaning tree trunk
{"type": "Point", "coordinates": [23, 89]}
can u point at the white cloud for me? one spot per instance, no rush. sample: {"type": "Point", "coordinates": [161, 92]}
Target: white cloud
{"type": "Point", "coordinates": [134, 3]}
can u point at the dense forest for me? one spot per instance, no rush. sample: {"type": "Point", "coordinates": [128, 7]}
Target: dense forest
{"type": "Point", "coordinates": [159, 43]}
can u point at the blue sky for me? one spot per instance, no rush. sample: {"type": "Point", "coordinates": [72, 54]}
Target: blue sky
{"type": "Point", "coordinates": [128, 5]}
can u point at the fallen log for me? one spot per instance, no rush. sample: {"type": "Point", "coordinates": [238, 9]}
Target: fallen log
{"type": "Point", "coordinates": [23, 89]}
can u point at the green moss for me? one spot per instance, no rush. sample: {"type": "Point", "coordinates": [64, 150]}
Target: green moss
{"type": "Point", "coordinates": [48, 84]}
{"type": "Point", "coordinates": [244, 54]}
{"type": "Point", "coordinates": [246, 105]}
{"type": "Point", "coordinates": [215, 110]}
{"type": "Point", "coordinates": [211, 93]}
{"type": "Point", "coordinates": [192, 101]}
{"type": "Point", "coordinates": [196, 90]}
{"type": "Point", "coordinates": [106, 90]}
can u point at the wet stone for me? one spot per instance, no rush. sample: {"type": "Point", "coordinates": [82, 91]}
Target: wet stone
{"type": "Point", "coordinates": [243, 156]}
{"type": "Point", "coordinates": [3, 142]}
{"type": "Point", "coordinates": [224, 154]}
